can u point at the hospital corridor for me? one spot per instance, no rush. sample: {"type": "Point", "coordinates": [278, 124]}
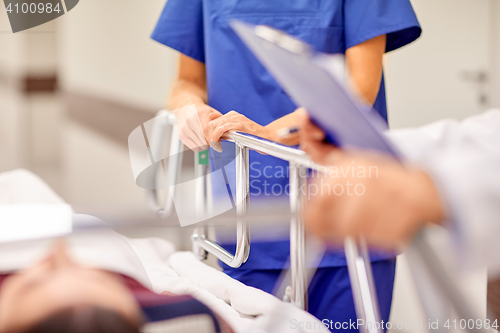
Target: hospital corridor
{"type": "Point", "coordinates": [250, 166]}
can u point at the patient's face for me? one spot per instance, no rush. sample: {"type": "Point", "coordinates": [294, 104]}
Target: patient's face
{"type": "Point", "coordinates": [55, 283]}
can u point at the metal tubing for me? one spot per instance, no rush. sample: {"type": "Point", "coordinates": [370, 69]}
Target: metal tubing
{"type": "Point", "coordinates": [201, 186]}
{"type": "Point", "coordinates": [298, 181]}
{"type": "Point", "coordinates": [201, 204]}
{"type": "Point", "coordinates": [200, 237]}
{"type": "Point", "coordinates": [174, 167]}
{"type": "Point", "coordinates": [163, 121]}
{"type": "Point", "coordinates": [359, 265]}
{"type": "Point", "coordinates": [274, 149]}
{"type": "Point", "coordinates": [242, 203]}
{"type": "Point", "coordinates": [363, 287]}
{"type": "Point", "coordinates": [357, 256]}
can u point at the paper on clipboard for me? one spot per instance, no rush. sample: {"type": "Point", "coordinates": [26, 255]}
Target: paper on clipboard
{"type": "Point", "coordinates": [308, 78]}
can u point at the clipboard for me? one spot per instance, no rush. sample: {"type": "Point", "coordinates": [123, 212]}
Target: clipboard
{"type": "Point", "coordinates": [314, 80]}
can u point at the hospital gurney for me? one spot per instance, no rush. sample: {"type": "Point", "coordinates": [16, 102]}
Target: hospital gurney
{"type": "Point", "coordinates": [165, 132]}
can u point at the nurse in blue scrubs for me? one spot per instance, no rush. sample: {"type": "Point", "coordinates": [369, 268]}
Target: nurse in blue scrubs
{"type": "Point", "coordinates": [218, 74]}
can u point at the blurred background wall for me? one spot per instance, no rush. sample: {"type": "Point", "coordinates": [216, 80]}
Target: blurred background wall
{"type": "Point", "coordinates": [72, 90]}
{"type": "Point", "coordinates": [78, 85]}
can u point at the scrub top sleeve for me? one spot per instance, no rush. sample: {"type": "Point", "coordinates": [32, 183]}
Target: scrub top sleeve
{"type": "Point", "coordinates": [367, 19]}
{"type": "Point", "coordinates": [180, 27]}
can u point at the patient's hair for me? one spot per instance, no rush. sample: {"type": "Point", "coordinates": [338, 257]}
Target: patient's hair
{"type": "Point", "coordinates": [84, 319]}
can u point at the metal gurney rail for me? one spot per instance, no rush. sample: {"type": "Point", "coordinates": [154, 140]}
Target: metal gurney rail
{"type": "Point", "coordinates": [356, 253]}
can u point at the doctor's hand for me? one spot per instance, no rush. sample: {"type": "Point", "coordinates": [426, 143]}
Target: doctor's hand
{"type": "Point", "coordinates": [312, 141]}
{"type": "Point", "coordinates": [233, 121]}
{"type": "Point", "coordinates": [369, 195]}
{"type": "Point", "coordinates": [193, 125]}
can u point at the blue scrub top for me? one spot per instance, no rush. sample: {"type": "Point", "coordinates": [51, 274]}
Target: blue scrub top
{"type": "Point", "coordinates": [237, 81]}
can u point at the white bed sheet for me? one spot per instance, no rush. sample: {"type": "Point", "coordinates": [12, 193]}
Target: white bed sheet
{"type": "Point", "coordinates": [238, 304]}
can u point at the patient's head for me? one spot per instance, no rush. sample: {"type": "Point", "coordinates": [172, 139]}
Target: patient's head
{"type": "Point", "coordinates": [57, 294]}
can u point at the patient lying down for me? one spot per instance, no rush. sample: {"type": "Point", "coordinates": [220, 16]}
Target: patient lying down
{"type": "Point", "coordinates": [57, 294]}
{"type": "Point", "coordinates": [101, 281]}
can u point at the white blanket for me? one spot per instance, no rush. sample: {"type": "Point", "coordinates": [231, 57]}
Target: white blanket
{"type": "Point", "coordinates": [238, 304]}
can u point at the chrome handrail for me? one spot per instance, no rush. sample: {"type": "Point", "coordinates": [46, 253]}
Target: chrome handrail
{"type": "Point", "coordinates": [298, 246]}
{"type": "Point", "coordinates": [201, 243]}
{"type": "Point", "coordinates": [280, 151]}
{"type": "Point", "coordinates": [163, 121]}
{"type": "Point", "coordinates": [358, 262]}
{"type": "Point", "coordinates": [357, 257]}
{"type": "Point", "coordinates": [362, 284]}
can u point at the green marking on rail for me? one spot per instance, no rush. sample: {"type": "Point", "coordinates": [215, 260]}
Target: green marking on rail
{"type": "Point", "coordinates": [203, 157]}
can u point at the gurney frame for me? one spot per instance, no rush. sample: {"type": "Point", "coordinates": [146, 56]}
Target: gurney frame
{"type": "Point", "coordinates": [359, 265]}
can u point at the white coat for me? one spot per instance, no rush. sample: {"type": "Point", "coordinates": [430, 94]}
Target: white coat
{"type": "Point", "coordinates": [463, 159]}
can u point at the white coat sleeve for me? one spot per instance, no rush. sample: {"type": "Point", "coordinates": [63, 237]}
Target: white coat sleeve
{"type": "Point", "coordinates": [463, 159]}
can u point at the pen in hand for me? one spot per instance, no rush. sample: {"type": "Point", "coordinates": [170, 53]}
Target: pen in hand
{"type": "Point", "coordinates": [286, 131]}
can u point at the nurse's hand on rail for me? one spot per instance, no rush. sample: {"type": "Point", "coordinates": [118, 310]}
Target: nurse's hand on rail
{"type": "Point", "coordinates": [233, 121]}
{"type": "Point", "coordinates": [193, 125]}
{"type": "Point", "coordinates": [367, 194]}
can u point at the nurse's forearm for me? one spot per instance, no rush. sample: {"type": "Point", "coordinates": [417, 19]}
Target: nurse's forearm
{"type": "Point", "coordinates": [185, 93]}
{"type": "Point", "coordinates": [364, 62]}
{"type": "Point", "coordinates": [190, 85]}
